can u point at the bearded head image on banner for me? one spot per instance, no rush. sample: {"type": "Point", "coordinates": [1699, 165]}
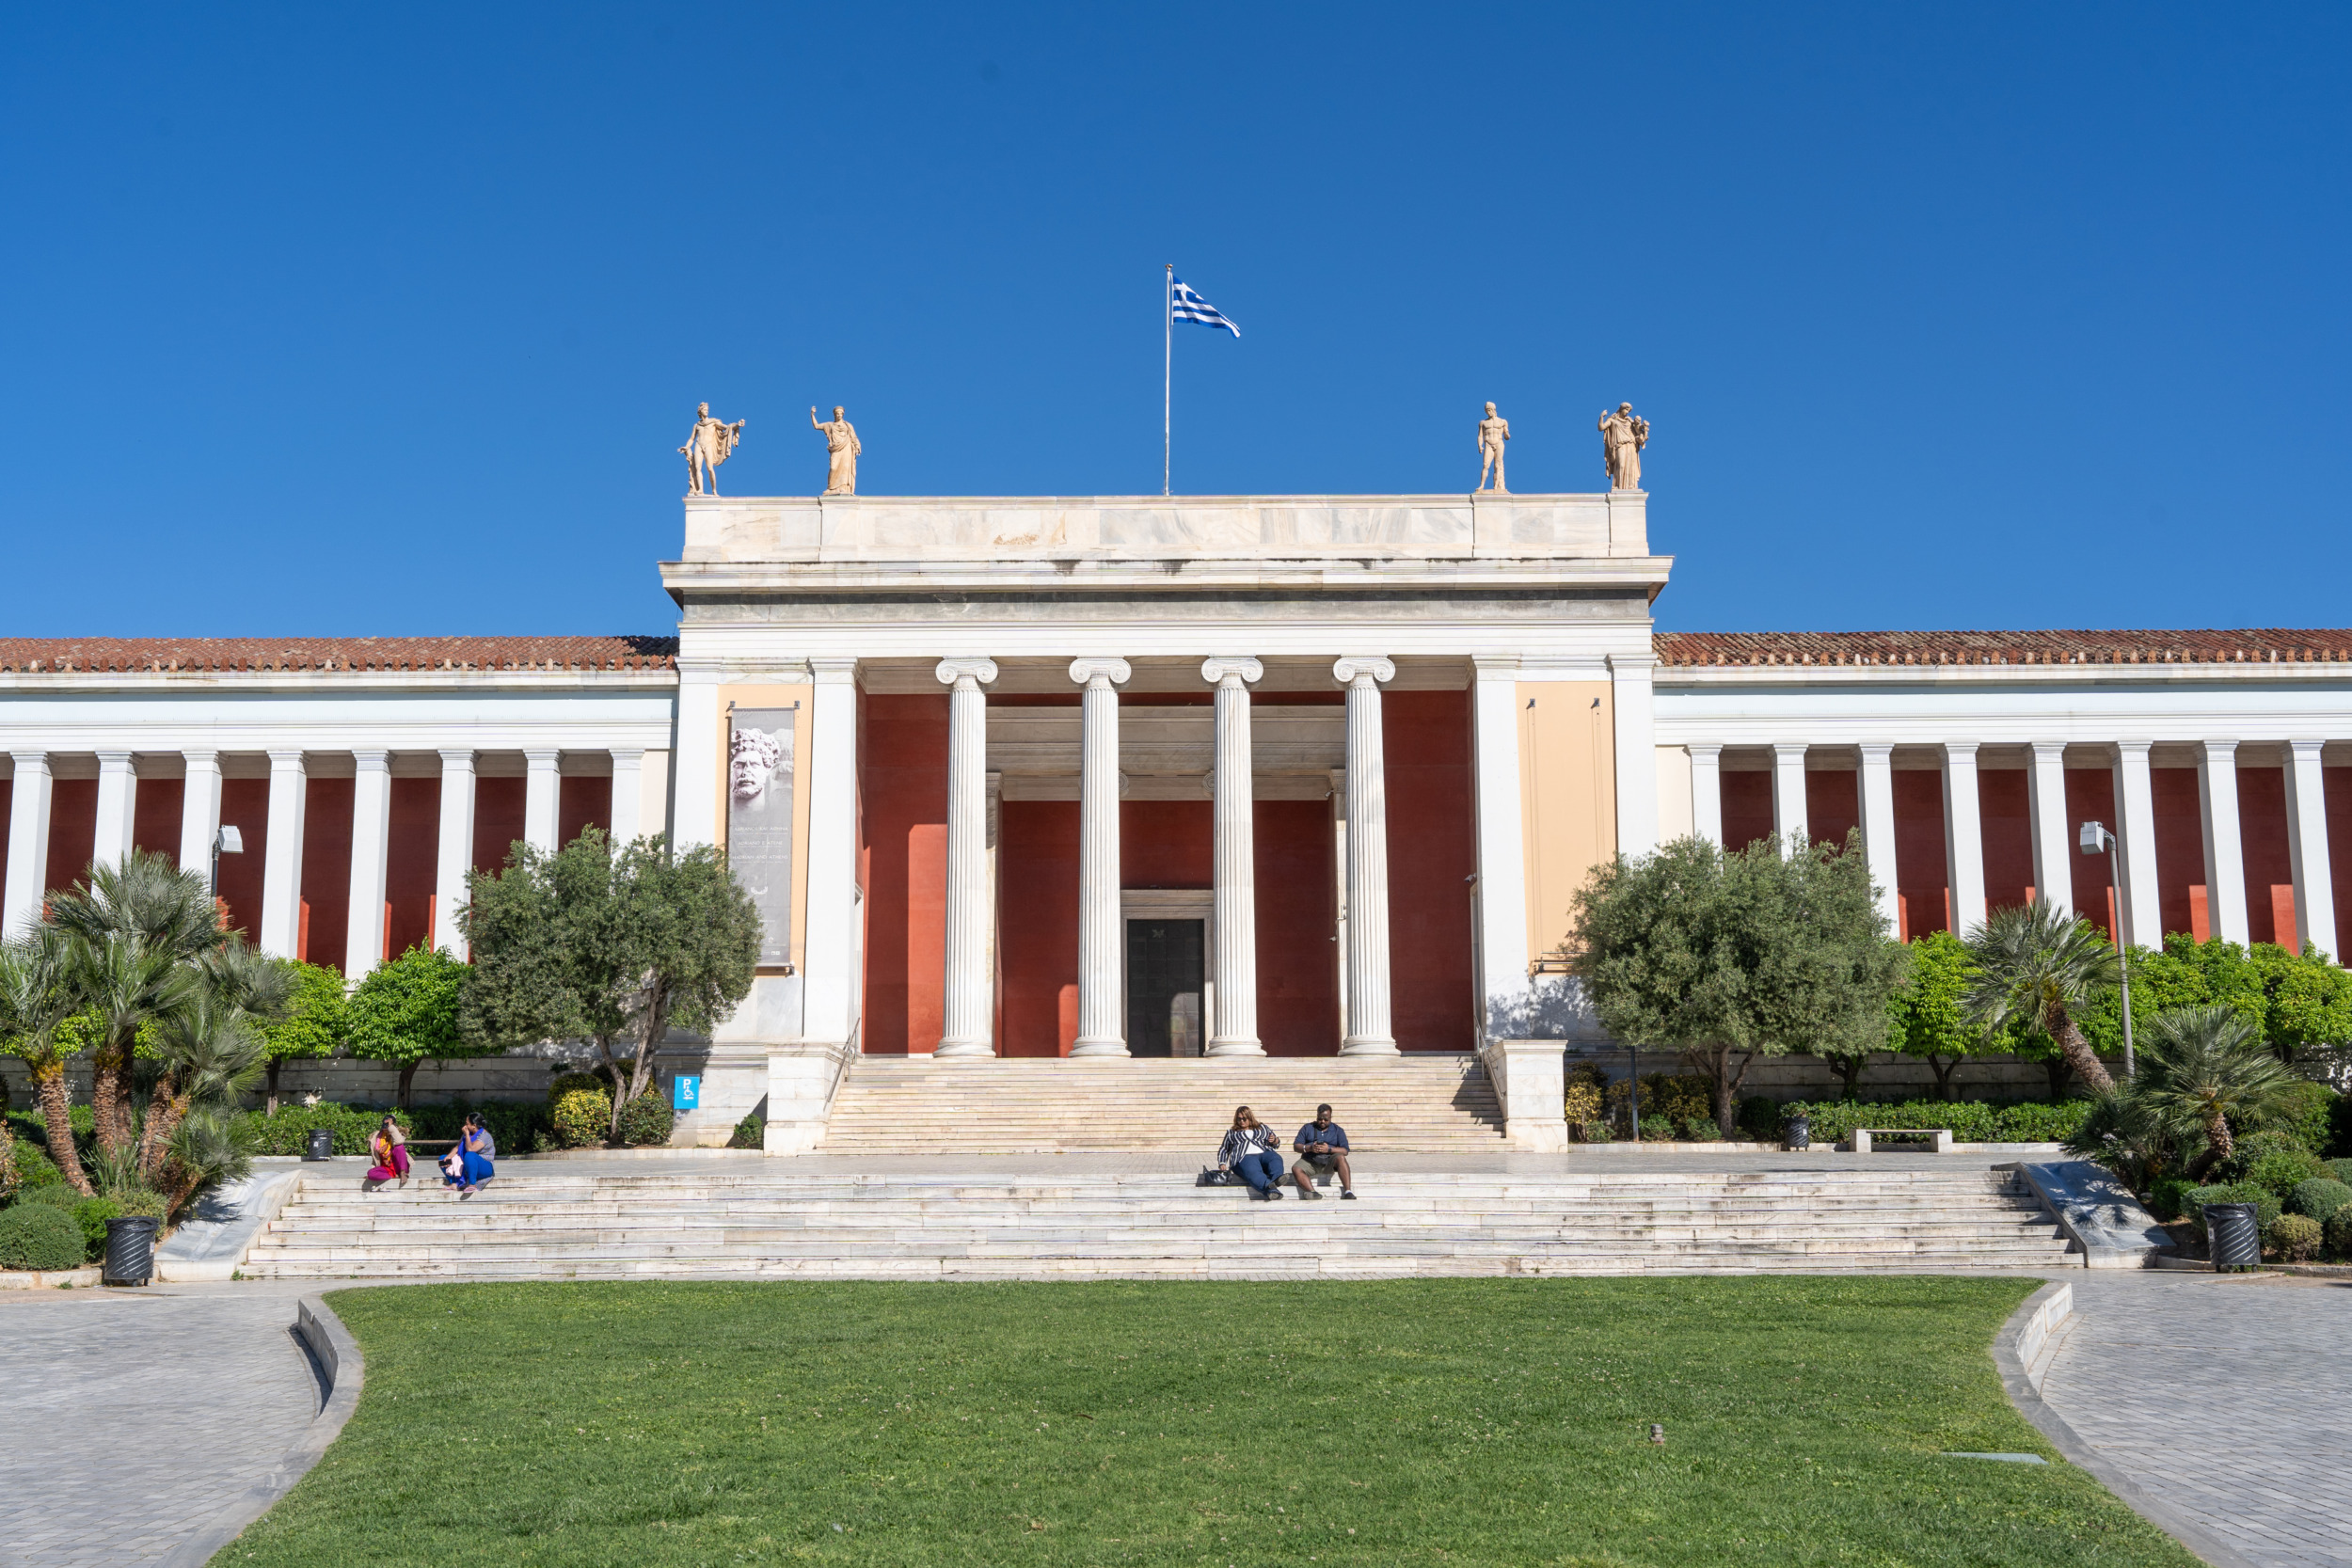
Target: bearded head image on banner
{"type": "Point", "coordinates": [759, 821]}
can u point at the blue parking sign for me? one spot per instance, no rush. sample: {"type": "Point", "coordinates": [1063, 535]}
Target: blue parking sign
{"type": "Point", "coordinates": [685, 1093]}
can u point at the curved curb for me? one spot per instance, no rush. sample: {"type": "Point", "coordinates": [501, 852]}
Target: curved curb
{"type": "Point", "coordinates": [338, 1359]}
{"type": "Point", "coordinates": [2026, 1394]}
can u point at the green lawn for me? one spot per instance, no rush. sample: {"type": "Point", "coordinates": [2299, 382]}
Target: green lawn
{"type": "Point", "coordinates": [1445, 1423]}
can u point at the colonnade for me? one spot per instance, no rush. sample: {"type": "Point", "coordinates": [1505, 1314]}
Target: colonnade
{"type": "Point", "coordinates": [32, 798]}
{"type": "Point", "coordinates": [2054, 847]}
{"type": "Point", "coordinates": [1232, 970]}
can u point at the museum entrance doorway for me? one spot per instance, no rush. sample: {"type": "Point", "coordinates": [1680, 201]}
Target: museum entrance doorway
{"type": "Point", "coordinates": [1167, 963]}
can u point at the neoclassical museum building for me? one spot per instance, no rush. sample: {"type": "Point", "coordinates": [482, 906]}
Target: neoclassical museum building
{"type": "Point", "coordinates": [1205, 776]}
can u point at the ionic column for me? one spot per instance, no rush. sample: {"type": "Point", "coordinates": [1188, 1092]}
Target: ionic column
{"type": "Point", "coordinates": [453, 858]}
{"type": "Point", "coordinates": [2307, 847]}
{"type": "Point", "coordinates": [118, 795]}
{"type": "Point", "coordinates": [1369, 1032]}
{"type": "Point", "coordinates": [628, 795]}
{"type": "Point", "coordinates": [1102, 1023]}
{"type": "Point", "coordinates": [969, 991]}
{"type": "Point", "coordinates": [543, 794]}
{"type": "Point", "coordinates": [2140, 913]}
{"type": "Point", "coordinates": [1789, 815]}
{"type": "Point", "coordinates": [2052, 863]}
{"type": "Point", "coordinates": [371, 861]}
{"type": "Point", "coordinates": [199, 812]}
{"type": "Point", "coordinates": [1339, 892]}
{"type": "Point", "coordinates": [1963, 835]}
{"type": "Point", "coordinates": [1233, 956]}
{"type": "Point", "coordinates": [2225, 853]}
{"type": "Point", "coordinates": [1706, 793]}
{"type": "Point", "coordinates": [28, 842]}
{"type": "Point", "coordinates": [281, 857]}
{"type": "Point", "coordinates": [829, 988]}
{"type": "Point", "coordinates": [1878, 828]}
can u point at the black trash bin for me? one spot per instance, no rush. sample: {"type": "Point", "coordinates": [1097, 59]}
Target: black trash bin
{"type": "Point", "coordinates": [129, 1250]}
{"type": "Point", "coordinates": [322, 1146]}
{"type": "Point", "coordinates": [2233, 1235]}
{"type": "Point", "coordinates": [1796, 1132]}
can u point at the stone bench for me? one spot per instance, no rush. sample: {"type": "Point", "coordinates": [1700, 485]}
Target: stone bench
{"type": "Point", "coordinates": [1860, 1138]}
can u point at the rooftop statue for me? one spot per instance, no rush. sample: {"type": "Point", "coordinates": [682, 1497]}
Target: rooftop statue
{"type": "Point", "coordinates": [712, 444]}
{"type": "Point", "coordinates": [1492, 431]}
{"type": "Point", "coordinates": [1623, 434]}
{"type": "Point", "coordinates": [842, 444]}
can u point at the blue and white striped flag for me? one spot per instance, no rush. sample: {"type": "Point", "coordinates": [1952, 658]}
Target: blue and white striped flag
{"type": "Point", "coordinates": [1186, 305]}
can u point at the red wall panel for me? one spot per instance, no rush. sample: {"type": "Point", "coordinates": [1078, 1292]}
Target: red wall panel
{"type": "Point", "coordinates": [1747, 808]}
{"type": "Point", "coordinates": [1036, 927]}
{"type": "Point", "coordinates": [2336, 787]}
{"type": "Point", "coordinates": [2004, 803]}
{"type": "Point", "coordinates": [325, 873]}
{"type": "Point", "coordinates": [1922, 878]}
{"type": "Point", "coordinates": [2090, 798]}
{"type": "Point", "coordinates": [244, 805]}
{"type": "Point", "coordinates": [1299, 1004]}
{"type": "Point", "coordinates": [2262, 825]}
{"type": "Point", "coordinates": [1832, 805]}
{"type": "Point", "coordinates": [903, 783]}
{"type": "Point", "coordinates": [1432, 853]}
{"type": "Point", "coordinates": [72, 832]}
{"type": "Point", "coordinates": [582, 803]}
{"type": "Point", "coordinates": [1167, 844]}
{"type": "Point", "coordinates": [2180, 851]}
{"type": "Point", "coordinates": [156, 816]}
{"type": "Point", "coordinates": [497, 821]}
{"type": "Point", "coordinates": [409, 870]}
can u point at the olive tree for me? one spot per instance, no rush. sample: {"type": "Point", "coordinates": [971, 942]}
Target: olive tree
{"type": "Point", "coordinates": [405, 1013]}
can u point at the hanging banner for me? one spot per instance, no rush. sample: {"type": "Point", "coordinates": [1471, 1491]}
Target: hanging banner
{"type": "Point", "coordinates": [760, 820]}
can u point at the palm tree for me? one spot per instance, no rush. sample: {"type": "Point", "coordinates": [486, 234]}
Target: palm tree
{"type": "Point", "coordinates": [211, 1053]}
{"type": "Point", "coordinates": [37, 994]}
{"type": "Point", "coordinates": [2037, 965]}
{"type": "Point", "coordinates": [133, 929]}
{"type": "Point", "coordinates": [2200, 1066]}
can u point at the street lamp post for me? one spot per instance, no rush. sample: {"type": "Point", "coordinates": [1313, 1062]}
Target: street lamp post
{"type": "Point", "coordinates": [2097, 839]}
{"type": "Point", "coordinates": [227, 840]}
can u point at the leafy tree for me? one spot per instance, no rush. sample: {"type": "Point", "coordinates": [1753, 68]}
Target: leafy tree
{"type": "Point", "coordinates": [309, 1023]}
{"type": "Point", "coordinates": [406, 1013]}
{"type": "Point", "coordinates": [2202, 1067]}
{"type": "Point", "coordinates": [37, 996]}
{"type": "Point", "coordinates": [1726, 957]}
{"type": "Point", "coordinates": [2037, 967]}
{"type": "Point", "coordinates": [1930, 1018]}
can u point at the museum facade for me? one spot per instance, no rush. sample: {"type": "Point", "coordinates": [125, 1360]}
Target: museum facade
{"type": "Point", "coordinates": [1203, 777]}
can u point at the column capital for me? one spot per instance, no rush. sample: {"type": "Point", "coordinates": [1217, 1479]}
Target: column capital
{"type": "Point", "coordinates": [2132, 750]}
{"type": "Point", "coordinates": [2047, 751]}
{"type": "Point", "coordinates": [1876, 751]}
{"type": "Point", "coordinates": [372, 762]}
{"type": "Point", "coordinates": [2301, 748]}
{"type": "Point", "coordinates": [1086, 672]}
{"type": "Point", "coordinates": [1633, 664]}
{"type": "Point", "coordinates": [1703, 751]}
{"type": "Point", "coordinates": [457, 756]}
{"type": "Point", "coordinates": [2221, 748]}
{"type": "Point", "coordinates": [543, 756]}
{"type": "Point", "coordinates": [1216, 672]}
{"type": "Point", "coordinates": [280, 762]}
{"type": "Point", "coordinates": [832, 672]}
{"type": "Point", "coordinates": [200, 756]}
{"type": "Point", "coordinates": [1495, 667]}
{"type": "Point", "coordinates": [957, 671]}
{"type": "Point", "coordinates": [1352, 668]}
{"type": "Point", "coordinates": [114, 762]}
{"type": "Point", "coordinates": [1786, 751]}
{"type": "Point", "coordinates": [1958, 751]}
{"type": "Point", "coordinates": [628, 756]}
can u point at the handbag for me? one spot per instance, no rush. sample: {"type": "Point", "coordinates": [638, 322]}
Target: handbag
{"type": "Point", "coordinates": [1211, 1177]}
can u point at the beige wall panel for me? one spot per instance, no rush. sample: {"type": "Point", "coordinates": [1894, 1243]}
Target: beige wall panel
{"type": "Point", "coordinates": [1567, 798]}
{"type": "Point", "coordinates": [1674, 794]}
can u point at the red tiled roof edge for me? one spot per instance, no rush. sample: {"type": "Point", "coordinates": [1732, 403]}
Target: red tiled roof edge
{"type": "Point", "coordinates": [2264, 645]}
{"type": "Point", "coordinates": [339, 655]}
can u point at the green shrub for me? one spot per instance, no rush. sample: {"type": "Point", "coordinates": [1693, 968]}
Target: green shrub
{"type": "Point", "coordinates": [2168, 1195]}
{"type": "Point", "coordinates": [584, 1119]}
{"type": "Point", "coordinates": [2319, 1198]}
{"type": "Point", "coordinates": [2248, 1147]}
{"type": "Point", "coordinates": [751, 1132]}
{"type": "Point", "coordinates": [2340, 1233]}
{"type": "Point", "coordinates": [1582, 1100]}
{"type": "Point", "coordinates": [56, 1194]}
{"type": "Point", "coordinates": [2283, 1170]}
{"type": "Point", "coordinates": [2306, 1114]}
{"type": "Point", "coordinates": [1760, 1118]}
{"type": "Point", "coordinates": [1972, 1122]}
{"type": "Point", "coordinates": [2293, 1238]}
{"type": "Point", "coordinates": [646, 1120]}
{"type": "Point", "coordinates": [2341, 1170]}
{"type": "Point", "coordinates": [564, 1082]}
{"type": "Point", "coordinates": [38, 1236]}
{"type": "Point", "coordinates": [289, 1130]}
{"type": "Point", "coordinates": [1702, 1130]}
{"type": "Point", "coordinates": [91, 1215]}
{"type": "Point", "coordinates": [152, 1205]}
{"type": "Point", "coordinates": [2340, 1126]}
{"type": "Point", "coordinates": [33, 1168]}
{"type": "Point", "coordinates": [516, 1126]}
{"type": "Point", "coordinates": [2193, 1203]}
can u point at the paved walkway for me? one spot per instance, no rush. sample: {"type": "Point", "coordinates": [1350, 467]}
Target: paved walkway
{"type": "Point", "coordinates": [2229, 1398]}
{"type": "Point", "coordinates": [134, 1415]}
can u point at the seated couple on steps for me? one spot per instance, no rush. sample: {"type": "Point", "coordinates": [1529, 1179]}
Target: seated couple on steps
{"type": "Point", "coordinates": [1249, 1148]}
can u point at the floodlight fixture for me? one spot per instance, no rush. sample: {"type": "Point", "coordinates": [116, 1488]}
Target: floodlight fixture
{"type": "Point", "coordinates": [2096, 840]}
{"type": "Point", "coordinates": [227, 840]}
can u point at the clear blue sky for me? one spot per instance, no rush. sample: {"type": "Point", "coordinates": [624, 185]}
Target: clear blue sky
{"type": "Point", "coordinates": [341, 320]}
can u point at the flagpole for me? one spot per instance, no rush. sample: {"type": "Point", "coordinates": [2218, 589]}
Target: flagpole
{"type": "Point", "coordinates": [1167, 373]}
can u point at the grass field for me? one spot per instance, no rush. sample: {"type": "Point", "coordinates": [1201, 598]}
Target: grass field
{"type": "Point", "coordinates": [1458, 1422]}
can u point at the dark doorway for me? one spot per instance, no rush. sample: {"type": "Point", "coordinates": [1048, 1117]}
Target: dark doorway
{"type": "Point", "coordinates": [1164, 965]}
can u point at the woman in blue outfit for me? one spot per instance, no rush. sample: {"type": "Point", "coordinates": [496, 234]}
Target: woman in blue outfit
{"type": "Point", "coordinates": [469, 1164]}
{"type": "Point", "coordinates": [1249, 1148]}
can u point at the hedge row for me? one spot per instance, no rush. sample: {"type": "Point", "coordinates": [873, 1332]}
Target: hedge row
{"type": "Point", "coordinates": [1972, 1122]}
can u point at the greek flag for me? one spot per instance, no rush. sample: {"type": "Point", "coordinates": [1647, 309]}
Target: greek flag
{"type": "Point", "coordinates": [1186, 305]}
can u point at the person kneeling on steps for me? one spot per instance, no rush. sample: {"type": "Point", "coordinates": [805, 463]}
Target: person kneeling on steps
{"type": "Point", "coordinates": [1322, 1147]}
{"type": "Point", "coordinates": [1249, 1147]}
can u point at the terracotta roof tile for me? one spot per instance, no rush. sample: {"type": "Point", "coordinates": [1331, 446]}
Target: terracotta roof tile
{"type": "Point", "coordinates": [341, 655]}
{"type": "Point", "coordinates": [1718, 649]}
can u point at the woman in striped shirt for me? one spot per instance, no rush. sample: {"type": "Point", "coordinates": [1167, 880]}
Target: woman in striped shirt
{"type": "Point", "coordinates": [1248, 1148]}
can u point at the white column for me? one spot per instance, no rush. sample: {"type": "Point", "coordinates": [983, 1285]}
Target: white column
{"type": "Point", "coordinates": [829, 989]}
{"type": "Point", "coordinates": [1706, 793]}
{"type": "Point", "coordinates": [118, 795]}
{"type": "Point", "coordinates": [2142, 917]}
{"type": "Point", "coordinates": [1369, 1030]}
{"type": "Point", "coordinates": [452, 857]}
{"type": "Point", "coordinates": [1234, 966]}
{"type": "Point", "coordinates": [542, 795]}
{"type": "Point", "coordinates": [1101, 937]}
{"type": "Point", "coordinates": [1636, 745]}
{"type": "Point", "coordinates": [281, 860]}
{"type": "Point", "coordinates": [2307, 847]}
{"type": "Point", "coordinates": [2225, 853]}
{"type": "Point", "coordinates": [702, 740]}
{"type": "Point", "coordinates": [28, 842]}
{"type": "Point", "coordinates": [371, 861]}
{"type": "Point", "coordinates": [1339, 892]}
{"type": "Point", "coordinates": [1506, 992]}
{"type": "Point", "coordinates": [200, 812]}
{"type": "Point", "coordinates": [1789, 795]}
{"type": "Point", "coordinates": [629, 796]}
{"type": "Point", "coordinates": [969, 989]}
{"type": "Point", "coordinates": [1878, 828]}
{"type": "Point", "coordinates": [2052, 850]}
{"type": "Point", "coordinates": [1963, 836]}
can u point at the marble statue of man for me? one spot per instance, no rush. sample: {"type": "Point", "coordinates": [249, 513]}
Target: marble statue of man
{"type": "Point", "coordinates": [1492, 431]}
{"type": "Point", "coordinates": [712, 444]}
{"type": "Point", "coordinates": [1623, 434]}
{"type": "Point", "coordinates": [842, 444]}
